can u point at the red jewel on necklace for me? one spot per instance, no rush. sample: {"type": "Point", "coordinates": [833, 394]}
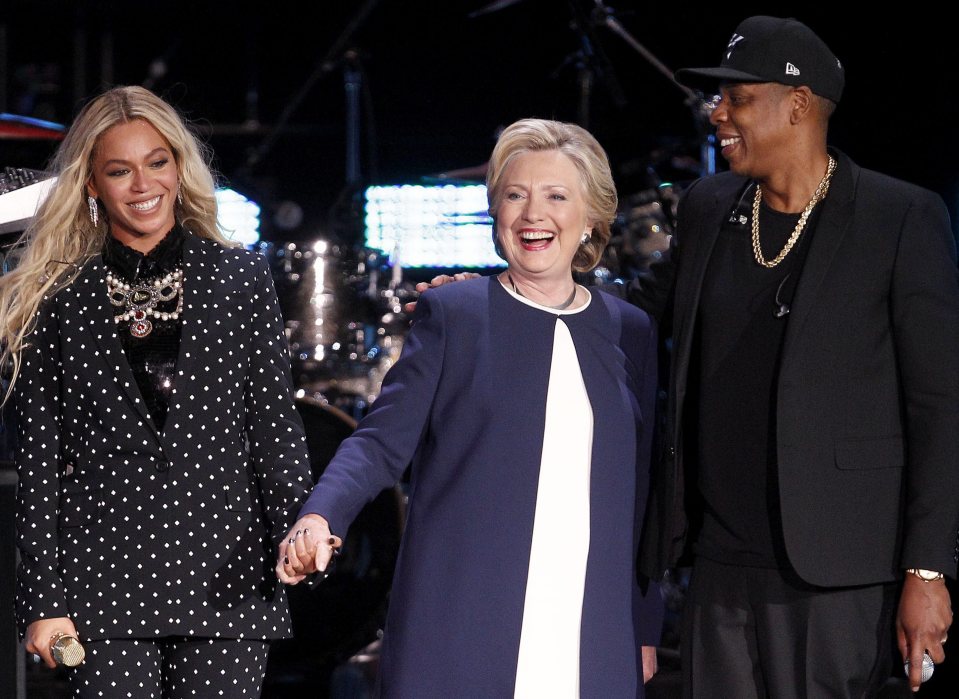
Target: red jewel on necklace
{"type": "Point", "coordinates": [140, 325]}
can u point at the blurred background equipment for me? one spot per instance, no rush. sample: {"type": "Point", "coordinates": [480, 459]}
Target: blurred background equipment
{"type": "Point", "coordinates": [342, 310]}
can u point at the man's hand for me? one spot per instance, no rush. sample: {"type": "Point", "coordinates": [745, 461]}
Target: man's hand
{"type": "Point", "coordinates": [922, 623]}
{"type": "Point", "coordinates": [438, 280]}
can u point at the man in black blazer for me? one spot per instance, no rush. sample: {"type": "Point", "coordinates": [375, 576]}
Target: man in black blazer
{"type": "Point", "coordinates": [812, 427]}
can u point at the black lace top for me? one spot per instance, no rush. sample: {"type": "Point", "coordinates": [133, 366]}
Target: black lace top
{"type": "Point", "coordinates": [152, 356]}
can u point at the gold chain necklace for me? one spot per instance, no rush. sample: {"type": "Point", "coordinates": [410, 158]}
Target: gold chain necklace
{"type": "Point", "coordinates": [800, 225]}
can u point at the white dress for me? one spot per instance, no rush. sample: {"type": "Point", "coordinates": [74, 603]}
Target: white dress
{"type": "Point", "coordinates": [548, 662]}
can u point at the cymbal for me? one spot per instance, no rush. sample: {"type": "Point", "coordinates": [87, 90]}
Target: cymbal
{"type": "Point", "coordinates": [493, 7]}
{"type": "Point", "coordinates": [475, 173]}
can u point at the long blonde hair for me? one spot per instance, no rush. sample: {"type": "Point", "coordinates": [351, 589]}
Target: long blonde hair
{"type": "Point", "coordinates": [61, 238]}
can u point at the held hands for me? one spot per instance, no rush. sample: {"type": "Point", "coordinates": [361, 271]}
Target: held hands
{"type": "Point", "coordinates": [307, 548]}
{"type": "Point", "coordinates": [438, 280]}
{"type": "Point", "coordinates": [41, 633]}
{"type": "Point", "coordinates": [922, 623]}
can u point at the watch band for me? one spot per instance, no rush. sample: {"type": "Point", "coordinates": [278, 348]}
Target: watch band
{"type": "Point", "coordinates": [925, 575]}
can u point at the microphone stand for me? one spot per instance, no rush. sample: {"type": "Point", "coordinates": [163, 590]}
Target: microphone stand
{"type": "Point", "coordinates": [346, 215]}
{"type": "Point", "coordinates": [694, 100]}
{"type": "Point", "coordinates": [591, 61]}
{"type": "Point", "coordinates": [324, 67]}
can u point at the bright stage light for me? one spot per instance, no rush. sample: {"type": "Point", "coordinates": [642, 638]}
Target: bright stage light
{"type": "Point", "coordinates": [431, 226]}
{"type": "Point", "coordinates": [238, 216]}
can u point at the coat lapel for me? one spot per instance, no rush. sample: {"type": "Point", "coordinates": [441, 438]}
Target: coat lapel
{"type": "Point", "coordinates": [834, 222]}
{"type": "Point", "coordinates": [90, 295]}
{"type": "Point", "coordinates": [707, 229]}
{"type": "Point", "coordinates": [199, 273]}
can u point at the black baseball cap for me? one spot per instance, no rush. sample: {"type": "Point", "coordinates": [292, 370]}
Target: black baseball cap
{"type": "Point", "coordinates": [777, 50]}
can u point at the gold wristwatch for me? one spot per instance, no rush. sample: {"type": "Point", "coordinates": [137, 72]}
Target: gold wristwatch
{"type": "Point", "coordinates": [925, 575]}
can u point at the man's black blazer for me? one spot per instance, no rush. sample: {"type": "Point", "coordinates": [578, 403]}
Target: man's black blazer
{"type": "Point", "coordinates": [867, 401]}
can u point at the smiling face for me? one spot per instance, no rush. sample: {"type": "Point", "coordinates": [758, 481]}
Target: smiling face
{"type": "Point", "coordinates": [752, 126]}
{"type": "Point", "coordinates": [135, 178]}
{"type": "Point", "coordinates": [542, 216]}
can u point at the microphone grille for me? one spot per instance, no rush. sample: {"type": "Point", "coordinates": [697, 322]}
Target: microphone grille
{"type": "Point", "coordinates": [68, 651]}
{"type": "Point", "coordinates": [928, 667]}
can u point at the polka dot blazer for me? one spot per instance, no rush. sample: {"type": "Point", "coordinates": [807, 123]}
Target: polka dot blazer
{"type": "Point", "coordinates": [133, 532]}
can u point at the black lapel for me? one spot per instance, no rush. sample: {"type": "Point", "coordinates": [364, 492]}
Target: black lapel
{"type": "Point", "coordinates": [199, 272]}
{"type": "Point", "coordinates": [706, 228]}
{"type": "Point", "coordinates": [834, 221]}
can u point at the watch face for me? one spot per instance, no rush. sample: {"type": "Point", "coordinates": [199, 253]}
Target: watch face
{"type": "Point", "coordinates": [927, 575]}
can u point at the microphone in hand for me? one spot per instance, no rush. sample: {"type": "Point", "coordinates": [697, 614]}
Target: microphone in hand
{"type": "Point", "coordinates": [67, 650]}
{"type": "Point", "coordinates": [928, 667]}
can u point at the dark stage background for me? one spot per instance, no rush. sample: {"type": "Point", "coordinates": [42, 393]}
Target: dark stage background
{"type": "Point", "coordinates": [305, 104]}
{"type": "Point", "coordinates": [267, 82]}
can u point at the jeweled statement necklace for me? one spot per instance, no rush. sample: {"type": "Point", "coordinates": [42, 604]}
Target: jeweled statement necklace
{"type": "Point", "coordinates": [561, 307]}
{"type": "Point", "coordinates": [139, 301]}
{"type": "Point", "coordinates": [800, 225]}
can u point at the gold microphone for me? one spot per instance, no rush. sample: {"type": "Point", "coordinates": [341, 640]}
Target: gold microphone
{"type": "Point", "coordinates": [66, 649]}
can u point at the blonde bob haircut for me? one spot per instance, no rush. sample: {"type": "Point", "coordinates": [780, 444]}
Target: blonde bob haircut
{"type": "Point", "coordinates": [61, 238]}
{"type": "Point", "coordinates": [532, 135]}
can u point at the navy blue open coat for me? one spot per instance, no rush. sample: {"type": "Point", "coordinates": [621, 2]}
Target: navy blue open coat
{"type": "Point", "coordinates": [466, 405]}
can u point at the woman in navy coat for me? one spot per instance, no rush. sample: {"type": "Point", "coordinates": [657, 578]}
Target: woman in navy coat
{"type": "Point", "coordinates": [525, 404]}
{"type": "Point", "coordinates": [159, 449]}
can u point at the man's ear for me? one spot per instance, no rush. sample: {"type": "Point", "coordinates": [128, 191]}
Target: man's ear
{"type": "Point", "coordinates": [802, 103]}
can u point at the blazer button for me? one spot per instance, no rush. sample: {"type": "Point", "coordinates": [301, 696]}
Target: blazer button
{"type": "Point", "coordinates": [671, 451]}
{"type": "Point", "coordinates": [162, 466]}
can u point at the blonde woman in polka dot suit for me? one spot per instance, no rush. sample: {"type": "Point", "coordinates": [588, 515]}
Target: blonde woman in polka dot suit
{"type": "Point", "coordinates": [159, 447]}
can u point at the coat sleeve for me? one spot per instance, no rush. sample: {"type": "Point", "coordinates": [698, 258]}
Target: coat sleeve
{"type": "Point", "coordinates": [274, 427]}
{"type": "Point", "coordinates": [376, 455]}
{"type": "Point", "coordinates": [40, 591]}
{"type": "Point", "coordinates": [925, 317]}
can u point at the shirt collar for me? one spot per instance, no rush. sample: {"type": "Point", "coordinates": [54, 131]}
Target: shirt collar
{"type": "Point", "coordinates": [133, 265]}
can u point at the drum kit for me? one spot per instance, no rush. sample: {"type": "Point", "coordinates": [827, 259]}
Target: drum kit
{"type": "Point", "coordinates": [344, 319]}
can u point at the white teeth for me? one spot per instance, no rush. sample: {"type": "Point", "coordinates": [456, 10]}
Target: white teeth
{"type": "Point", "coordinates": [145, 205]}
{"type": "Point", "coordinates": [729, 141]}
{"type": "Point", "coordinates": [535, 235]}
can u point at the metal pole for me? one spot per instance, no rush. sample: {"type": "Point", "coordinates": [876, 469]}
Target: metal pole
{"type": "Point", "coordinates": [694, 100]}
{"type": "Point", "coordinates": [352, 79]}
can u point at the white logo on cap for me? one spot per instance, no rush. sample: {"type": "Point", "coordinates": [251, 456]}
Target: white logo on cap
{"type": "Point", "coordinates": [736, 38]}
{"type": "Point", "coordinates": [791, 69]}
